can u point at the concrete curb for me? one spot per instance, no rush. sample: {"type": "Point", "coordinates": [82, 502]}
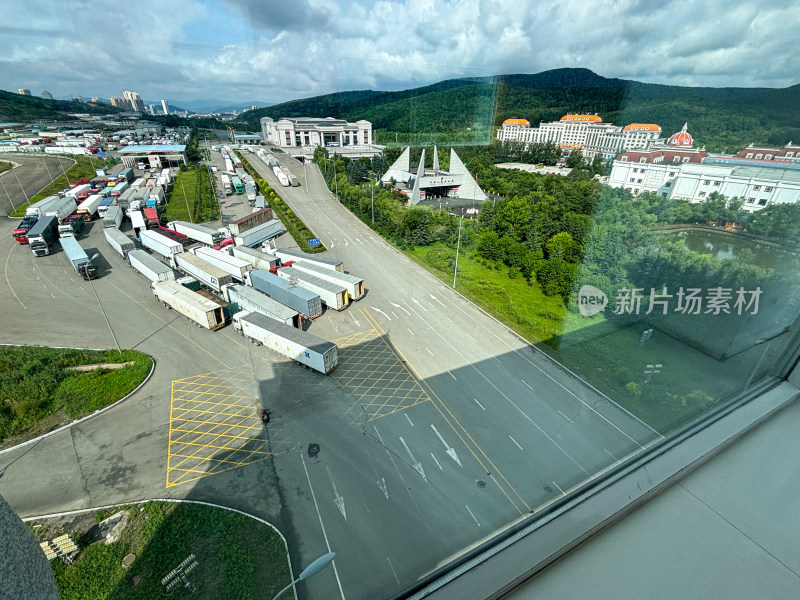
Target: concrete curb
{"type": "Point", "coordinates": [176, 501]}
{"type": "Point", "coordinates": [82, 419]}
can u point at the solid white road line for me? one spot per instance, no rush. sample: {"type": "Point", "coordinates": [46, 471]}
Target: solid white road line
{"type": "Point", "coordinates": [429, 352]}
{"type": "Point", "coordinates": [559, 488]}
{"type": "Point", "coordinates": [566, 417]}
{"type": "Point", "coordinates": [471, 515]}
{"type": "Point", "coordinates": [393, 571]}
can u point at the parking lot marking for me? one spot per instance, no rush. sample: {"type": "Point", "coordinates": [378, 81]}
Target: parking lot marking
{"type": "Point", "coordinates": [5, 272]}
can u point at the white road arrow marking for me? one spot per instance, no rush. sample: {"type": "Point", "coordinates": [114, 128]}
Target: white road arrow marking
{"type": "Point", "coordinates": [449, 449]}
{"type": "Point", "coordinates": [355, 320]}
{"type": "Point", "coordinates": [436, 299]}
{"type": "Point", "coordinates": [414, 462]}
{"type": "Point", "coordinates": [420, 305]}
{"type": "Point", "coordinates": [337, 498]}
{"type": "Point", "coordinates": [380, 311]}
{"type": "Point", "coordinates": [382, 485]}
{"type": "Point", "coordinates": [400, 307]}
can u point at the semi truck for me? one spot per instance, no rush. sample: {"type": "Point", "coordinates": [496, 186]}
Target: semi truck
{"type": "Point", "coordinates": [105, 205]}
{"type": "Point", "coordinates": [80, 190]}
{"type": "Point", "coordinates": [202, 270]}
{"type": "Point", "coordinates": [78, 258]}
{"type": "Point", "coordinates": [239, 226]}
{"type": "Point", "coordinates": [222, 260]}
{"type": "Point", "coordinates": [333, 295]}
{"type": "Point", "coordinates": [307, 303]}
{"type": "Point", "coordinates": [200, 233]}
{"type": "Point", "coordinates": [250, 299]}
{"type": "Point", "coordinates": [60, 208]}
{"type": "Point", "coordinates": [126, 175]}
{"type": "Point", "coordinates": [89, 206]}
{"type": "Point", "coordinates": [258, 259]}
{"type": "Point", "coordinates": [37, 208]}
{"type": "Point", "coordinates": [21, 232]}
{"type": "Point", "coordinates": [113, 217]}
{"type": "Point", "coordinates": [157, 194]}
{"type": "Point", "coordinates": [259, 234]}
{"type": "Point", "coordinates": [293, 180]}
{"type": "Point", "coordinates": [149, 266]}
{"type": "Point", "coordinates": [296, 344]}
{"type": "Point", "coordinates": [43, 235]}
{"type": "Point", "coordinates": [71, 226]}
{"type": "Point", "coordinates": [137, 221]}
{"type": "Point", "coordinates": [160, 244]}
{"type": "Point", "coordinates": [227, 187]}
{"type": "Point", "coordinates": [151, 218]}
{"type": "Point", "coordinates": [192, 305]}
{"type": "Point", "coordinates": [282, 177]}
{"type": "Point", "coordinates": [286, 255]}
{"type": "Point", "coordinates": [119, 241]}
{"type": "Point", "coordinates": [175, 236]}
{"type": "Point", "coordinates": [354, 285]}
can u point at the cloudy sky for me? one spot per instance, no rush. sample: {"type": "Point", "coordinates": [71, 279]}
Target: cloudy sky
{"type": "Point", "coordinates": [276, 50]}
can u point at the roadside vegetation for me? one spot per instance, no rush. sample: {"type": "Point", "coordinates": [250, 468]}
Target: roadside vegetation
{"type": "Point", "coordinates": [4, 166]}
{"type": "Point", "coordinates": [193, 197]}
{"type": "Point", "coordinates": [84, 168]}
{"type": "Point", "coordinates": [237, 556]}
{"type": "Point", "coordinates": [38, 390]}
{"type": "Point", "coordinates": [294, 225]}
{"type": "Point", "coordinates": [542, 237]}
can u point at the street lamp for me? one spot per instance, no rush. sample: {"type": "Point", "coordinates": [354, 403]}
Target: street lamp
{"type": "Point", "coordinates": [312, 569]}
{"type": "Point", "coordinates": [458, 244]}
{"type": "Point", "coordinates": [372, 197]}
{"type": "Point", "coordinates": [102, 310]}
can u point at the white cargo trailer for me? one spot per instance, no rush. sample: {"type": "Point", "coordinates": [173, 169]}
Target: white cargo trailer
{"type": "Point", "coordinates": [354, 285]}
{"type": "Point", "coordinates": [89, 206]}
{"type": "Point", "coordinates": [192, 305]}
{"type": "Point", "coordinates": [202, 270]}
{"type": "Point", "coordinates": [222, 260]}
{"type": "Point", "coordinates": [199, 233]}
{"type": "Point", "coordinates": [60, 208]}
{"type": "Point", "coordinates": [250, 299]}
{"type": "Point", "coordinates": [137, 220]}
{"type": "Point", "coordinates": [78, 189]}
{"type": "Point", "coordinates": [113, 217]}
{"type": "Point", "coordinates": [333, 295]}
{"type": "Point", "coordinates": [259, 234]}
{"type": "Point", "coordinates": [300, 346]}
{"type": "Point", "coordinates": [119, 241]}
{"type": "Point", "coordinates": [160, 244]}
{"type": "Point", "coordinates": [149, 266]}
{"type": "Point", "coordinates": [37, 209]}
{"type": "Point", "coordinates": [259, 260]}
{"type": "Point", "coordinates": [286, 255]}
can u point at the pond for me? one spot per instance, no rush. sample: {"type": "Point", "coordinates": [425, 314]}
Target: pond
{"type": "Point", "coordinates": [725, 246]}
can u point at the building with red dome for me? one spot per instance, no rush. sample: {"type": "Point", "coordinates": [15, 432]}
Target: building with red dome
{"type": "Point", "coordinates": [682, 138]}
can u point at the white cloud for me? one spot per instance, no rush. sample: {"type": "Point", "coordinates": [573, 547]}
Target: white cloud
{"type": "Point", "coordinates": [272, 51]}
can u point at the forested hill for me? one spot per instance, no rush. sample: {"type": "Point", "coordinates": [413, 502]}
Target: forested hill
{"type": "Point", "coordinates": [720, 118]}
{"type": "Point", "coordinates": [16, 107]}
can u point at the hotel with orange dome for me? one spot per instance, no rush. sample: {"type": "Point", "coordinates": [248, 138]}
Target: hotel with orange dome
{"type": "Point", "coordinates": [585, 132]}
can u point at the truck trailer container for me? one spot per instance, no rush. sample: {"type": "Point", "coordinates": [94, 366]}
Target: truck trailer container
{"type": "Point", "coordinates": [78, 258]}
{"type": "Point", "coordinates": [119, 189]}
{"type": "Point", "coordinates": [113, 217]}
{"type": "Point", "coordinates": [333, 295]}
{"type": "Point", "coordinates": [202, 270]}
{"type": "Point", "coordinates": [126, 174]}
{"type": "Point", "coordinates": [259, 260]}
{"type": "Point", "coordinates": [192, 305]}
{"type": "Point", "coordinates": [104, 206]}
{"type": "Point", "coordinates": [259, 234]}
{"type": "Point", "coordinates": [60, 208]}
{"type": "Point", "coordinates": [307, 303]}
{"type": "Point", "coordinates": [80, 190]}
{"type": "Point", "coordinates": [137, 220]}
{"type": "Point", "coordinates": [157, 194]}
{"type": "Point", "coordinates": [239, 226]}
{"type": "Point", "coordinates": [300, 346]}
{"type": "Point", "coordinates": [37, 208]}
{"type": "Point", "coordinates": [89, 206]}
{"type": "Point", "coordinates": [200, 233]}
{"type": "Point", "coordinates": [287, 255]}
{"type": "Point", "coordinates": [222, 260]}
{"type": "Point", "coordinates": [72, 225]}
{"type": "Point", "coordinates": [119, 241]}
{"type": "Point", "coordinates": [43, 235]}
{"type": "Point", "coordinates": [354, 285]}
{"type": "Point", "coordinates": [151, 218]}
{"type": "Point", "coordinates": [293, 180]}
{"type": "Point", "coordinates": [149, 266]}
{"type": "Point", "coordinates": [250, 299]}
{"type": "Point", "coordinates": [160, 244]}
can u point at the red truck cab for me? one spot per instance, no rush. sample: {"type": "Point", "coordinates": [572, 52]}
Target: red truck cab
{"type": "Point", "coordinates": [21, 232]}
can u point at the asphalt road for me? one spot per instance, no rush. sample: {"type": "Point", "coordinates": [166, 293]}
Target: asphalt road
{"type": "Point", "coordinates": [439, 428]}
{"type": "Point", "coordinates": [33, 174]}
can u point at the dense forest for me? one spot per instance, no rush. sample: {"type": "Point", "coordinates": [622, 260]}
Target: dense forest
{"type": "Point", "coordinates": [465, 111]}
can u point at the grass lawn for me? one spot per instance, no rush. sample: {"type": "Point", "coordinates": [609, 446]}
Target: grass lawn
{"type": "Point", "coordinates": [199, 201]}
{"type": "Point", "coordinates": [84, 167]}
{"type": "Point", "coordinates": [598, 349]}
{"type": "Point", "coordinates": [238, 557]}
{"type": "Point", "coordinates": [38, 391]}
{"type": "Point", "coordinates": [4, 166]}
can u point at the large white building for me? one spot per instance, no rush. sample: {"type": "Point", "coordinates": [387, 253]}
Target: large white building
{"type": "Point", "coordinates": [585, 132]}
{"type": "Point", "coordinates": [680, 171]}
{"type": "Point", "coordinates": [299, 136]}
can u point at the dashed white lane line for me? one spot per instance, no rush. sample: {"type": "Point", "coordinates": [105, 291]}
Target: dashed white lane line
{"type": "Point", "coordinates": [566, 417]}
{"type": "Point", "coordinates": [409, 419]}
{"type": "Point", "coordinates": [429, 352]}
{"type": "Point", "coordinates": [478, 403]}
{"type": "Point", "coordinates": [409, 331]}
{"type": "Point", "coordinates": [471, 515]}
{"type": "Point", "coordinates": [393, 571]}
{"type": "Point", "coordinates": [515, 442]}
{"type": "Point", "coordinates": [437, 462]}
{"type": "Point", "coordinates": [526, 383]}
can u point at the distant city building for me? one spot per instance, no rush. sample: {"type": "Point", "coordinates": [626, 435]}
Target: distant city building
{"type": "Point", "coordinates": [24, 91]}
{"type": "Point", "coordinates": [677, 170]}
{"type": "Point", "coordinates": [135, 100]}
{"type": "Point", "coordinates": [120, 103]}
{"type": "Point", "coordinates": [77, 99]}
{"type": "Point", "coordinates": [46, 95]}
{"type": "Point", "coordinates": [164, 107]}
{"type": "Point", "coordinates": [95, 100]}
{"type": "Point", "coordinates": [587, 133]}
{"type": "Point", "coordinates": [433, 184]}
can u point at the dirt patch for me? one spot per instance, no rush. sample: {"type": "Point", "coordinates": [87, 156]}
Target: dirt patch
{"type": "Point", "coordinates": [75, 525]}
{"type": "Point", "coordinates": [107, 366]}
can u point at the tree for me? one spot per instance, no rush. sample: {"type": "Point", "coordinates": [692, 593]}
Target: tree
{"type": "Point", "coordinates": [575, 160]}
{"type": "Point", "coordinates": [416, 226]}
{"type": "Point", "coordinates": [562, 245]}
